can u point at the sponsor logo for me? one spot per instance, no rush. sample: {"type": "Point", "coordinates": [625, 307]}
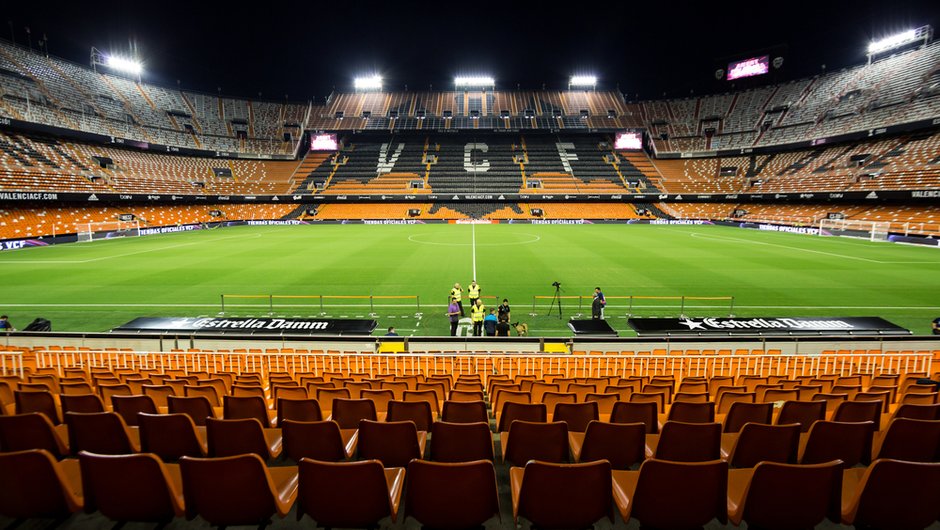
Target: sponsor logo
{"type": "Point", "coordinates": [663, 197]}
{"type": "Point", "coordinates": [168, 229]}
{"type": "Point", "coordinates": [807, 195]}
{"type": "Point", "coordinates": [618, 197]}
{"type": "Point", "coordinates": [255, 323]}
{"type": "Point", "coordinates": [703, 196]}
{"type": "Point", "coordinates": [925, 194]}
{"type": "Point", "coordinates": [872, 195]}
{"type": "Point", "coordinates": [25, 196]}
{"type": "Point", "coordinates": [274, 222]}
{"type": "Point", "coordinates": [779, 196]}
{"type": "Point", "coordinates": [561, 222]}
{"type": "Point", "coordinates": [678, 197]}
{"type": "Point", "coordinates": [411, 197]}
{"type": "Point", "coordinates": [249, 197]}
{"type": "Point", "coordinates": [392, 222]}
{"type": "Point", "coordinates": [731, 196]}
{"type": "Point", "coordinates": [297, 197]}
{"type": "Point", "coordinates": [456, 197]}
{"type": "Point", "coordinates": [478, 197]}
{"type": "Point", "coordinates": [5, 121]}
{"type": "Point", "coordinates": [501, 198]}
{"type": "Point", "coordinates": [224, 198]}
{"type": "Point", "coordinates": [275, 198]}
{"type": "Point", "coordinates": [764, 323]}
{"type": "Point", "coordinates": [791, 229]}
{"type": "Point", "coordinates": [92, 197]}
{"type": "Point", "coordinates": [12, 245]}
{"type": "Point", "coordinates": [126, 197]}
{"type": "Point", "coordinates": [175, 197]}
{"type": "Point", "coordinates": [678, 222]}
{"type": "Point", "coordinates": [836, 195]}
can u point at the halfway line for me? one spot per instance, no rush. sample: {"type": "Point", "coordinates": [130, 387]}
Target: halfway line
{"type": "Point", "coordinates": [473, 246]}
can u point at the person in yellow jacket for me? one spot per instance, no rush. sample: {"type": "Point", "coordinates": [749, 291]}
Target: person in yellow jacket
{"type": "Point", "coordinates": [456, 294]}
{"type": "Point", "coordinates": [477, 314]}
{"type": "Point", "coordinates": [473, 292]}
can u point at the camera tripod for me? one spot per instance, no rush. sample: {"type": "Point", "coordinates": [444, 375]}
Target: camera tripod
{"type": "Point", "coordinates": [555, 300]}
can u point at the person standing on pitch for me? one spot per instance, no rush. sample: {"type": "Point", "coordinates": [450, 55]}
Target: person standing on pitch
{"type": "Point", "coordinates": [504, 311]}
{"type": "Point", "coordinates": [597, 306]}
{"type": "Point", "coordinates": [473, 292]}
{"type": "Point", "coordinates": [489, 324]}
{"type": "Point", "coordinates": [456, 294]}
{"type": "Point", "coordinates": [453, 313]}
{"type": "Point", "coordinates": [477, 314]}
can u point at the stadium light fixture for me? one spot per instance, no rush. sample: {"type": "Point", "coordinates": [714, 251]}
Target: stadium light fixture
{"type": "Point", "coordinates": [582, 81]}
{"type": "Point", "coordinates": [116, 63]}
{"type": "Point", "coordinates": [474, 81]}
{"type": "Point", "coordinates": [892, 41]}
{"type": "Point", "coordinates": [368, 83]}
{"type": "Point", "coordinates": [124, 65]}
{"type": "Point", "coordinates": [898, 40]}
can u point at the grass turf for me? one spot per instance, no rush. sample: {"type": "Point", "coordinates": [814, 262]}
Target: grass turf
{"type": "Point", "coordinates": [100, 285]}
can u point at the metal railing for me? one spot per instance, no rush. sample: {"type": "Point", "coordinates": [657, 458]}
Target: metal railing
{"type": "Point", "coordinates": [489, 363]}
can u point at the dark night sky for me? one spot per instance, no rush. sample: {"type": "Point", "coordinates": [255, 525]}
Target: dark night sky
{"type": "Point", "coordinates": [306, 49]}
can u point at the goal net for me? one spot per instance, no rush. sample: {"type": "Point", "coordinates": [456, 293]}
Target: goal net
{"type": "Point", "coordinates": [871, 230]}
{"type": "Point", "coordinates": [107, 230]}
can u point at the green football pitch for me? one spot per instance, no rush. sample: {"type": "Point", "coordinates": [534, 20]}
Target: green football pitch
{"type": "Point", "coordinates": [100, 285]}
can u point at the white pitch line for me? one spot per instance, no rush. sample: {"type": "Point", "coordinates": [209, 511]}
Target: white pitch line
{"type": "Point", "coordinates": [751, 242]}
{"type": "Point", "coordinates": [113, 256]}
{"type": "Point", "coordinates": [473, 246]}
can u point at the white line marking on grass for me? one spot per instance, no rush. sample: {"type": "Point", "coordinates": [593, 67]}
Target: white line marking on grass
{"type": "Point", "coordinates": [473, 247]}
{"type": "Point", "coordinates": [102, 258]}
{"type": "Point", "coordinates": [751, 242]}
{"type": "Point", "coordinates": [415, 239]}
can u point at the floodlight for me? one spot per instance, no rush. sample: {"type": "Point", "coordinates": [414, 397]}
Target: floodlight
{"type": "Point", "coordinates": [474, 81]}
{"type": "Point", "coordinates": [583, 80]}
{"type": "Point", "coordinates": [368, 83]}
{"type": "Point", "coordinates": [893, 41]}
{"type": "Point", "coordinates": [124, 65]}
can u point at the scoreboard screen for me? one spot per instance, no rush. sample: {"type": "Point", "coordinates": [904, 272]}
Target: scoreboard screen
{"type": "Point", "coordinates": [628, 140]}
{"type": "Point", "coordinates": [749, 67]}
{"type": "Point", "coordinates": [323, 142]}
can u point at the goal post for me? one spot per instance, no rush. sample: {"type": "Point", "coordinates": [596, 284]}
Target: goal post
{"type": "Point", "coordinates": [107, 230]}
{"type": "Point", "coordinates": [871, 230]}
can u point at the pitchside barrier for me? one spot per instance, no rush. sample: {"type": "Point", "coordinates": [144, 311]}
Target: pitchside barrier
{"type": "Point", "coordinates": [317, 304]}
{"type": "Point", "coordinates": [369, 365]}
{"type": "Point", "coordinates": [643, 305]}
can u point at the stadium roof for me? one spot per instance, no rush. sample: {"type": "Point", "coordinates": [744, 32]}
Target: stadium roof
{"type": "Point", "coordinates": [307, 49]}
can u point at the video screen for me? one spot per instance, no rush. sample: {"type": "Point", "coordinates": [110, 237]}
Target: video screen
{"type": "Point", "coordinates": [749, 67]}
{"type": "Point", "coordinates": [323, 142]}
{"type": "Point", "coordinates": [628, 140]}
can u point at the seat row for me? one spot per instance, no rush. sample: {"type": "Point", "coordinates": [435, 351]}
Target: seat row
{"type": "Point", "coordinates": [626, 442]}
{"type": "Point", "coordinates": [240, 490]}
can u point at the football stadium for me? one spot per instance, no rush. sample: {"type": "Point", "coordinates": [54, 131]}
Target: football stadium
{"type": "Point", "coordinates": [707, 296]}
